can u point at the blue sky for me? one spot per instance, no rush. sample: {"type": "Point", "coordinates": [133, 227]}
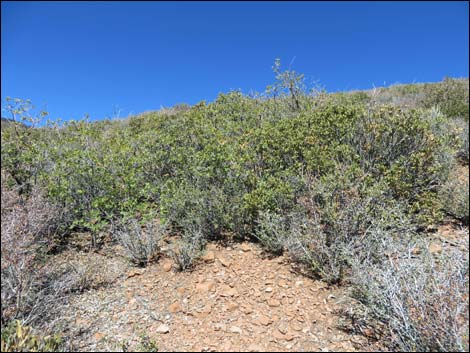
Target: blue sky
{"type": "Point", "coordinates": [74, 58]}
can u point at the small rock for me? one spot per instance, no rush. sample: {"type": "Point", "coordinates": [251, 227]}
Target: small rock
{"type": "Point", "coordinates": [226, 291]}
{"type": "Point", "coordinates": [180, 290]}
{"type": "Point", "coordinates": [282, 328]}
{"type": "Point", "coordinates": [162, 329]}
{"type": "Point", "coordinates": [206, 286]}
{"type": "Point", "coordinates": [167, 267]}
{"type": "Point", "coordinates": [435, 248]}
{"type": "Point", "coordinates": [232, 306]}
{"type": "Point", "coordinates": [224, 261]}
{"type": "Point", "coordinates": [288, 337]}
{"type": "Point", "coordinates": [226, 347]}
{"type": "Point", "coordinates": [246, 309]}
{"type": "Point", "coordinates": [135, 272]}
{"type": "Point", "coordinates": [278, 335]}
{"type": "Point", "coordinates": [245, 247]}
{"type": "Point", "coordinates": [208, 257]}
{"type": "Point", "coordinates": [207, 309]}
{"type": "Point", "coordinates": [236, 329]}
{"type": "Point", "coordinates": [268, 290]}
{"type": "Point", "coordinates": [264, 320]}
{"type": "Point", "coordinates": [98, 336]}
{"type": "Point", "coordinates": [274, 303]}
{"type": "Point", "coordinates": [175, 307]}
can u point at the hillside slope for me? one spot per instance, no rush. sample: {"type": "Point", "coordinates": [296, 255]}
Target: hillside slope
{"type": "Point", "coordinates": [350, 187]}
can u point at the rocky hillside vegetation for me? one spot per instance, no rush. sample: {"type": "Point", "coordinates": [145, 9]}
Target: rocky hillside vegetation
{"type": "Point", "coordinates": [350, 189]}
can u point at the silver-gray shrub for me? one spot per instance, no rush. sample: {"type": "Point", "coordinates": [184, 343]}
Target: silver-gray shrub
{"type": "Point", "coordinates": [30, 289]}
{"type": "Point", "coordinates": [272, 231]}
{"type": "Point", "coordinates": [337, 223]}
{"type": "Point", "coordinates": [189, 247]}
{"type": "Point", "coordinates": [415, 300]}
{"type": "Point", "coordinates": [140, 241]}
{"type": "Point", "coordinates": [329, 252]}
{"type": "Point", "coordinates": [331, 224]}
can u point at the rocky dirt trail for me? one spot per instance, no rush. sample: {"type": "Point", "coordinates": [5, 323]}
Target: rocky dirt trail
{"type": "Point", "coordinates": [235, 300]}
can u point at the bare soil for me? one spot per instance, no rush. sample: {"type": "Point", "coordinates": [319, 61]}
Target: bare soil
{"type": "Point", "coordinates": [236, 299]}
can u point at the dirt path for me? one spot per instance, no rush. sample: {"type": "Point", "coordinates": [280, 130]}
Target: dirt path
{"type": "Point", "coordinates": [235, 300]}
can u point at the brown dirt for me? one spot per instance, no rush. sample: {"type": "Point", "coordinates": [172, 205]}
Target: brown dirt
{"type": "Point", "coordinates": [234, 300]}
{"type": "Point", "coordinates": [450, 234]}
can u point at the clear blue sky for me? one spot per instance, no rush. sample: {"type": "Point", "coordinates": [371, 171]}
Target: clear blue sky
{"type": "Point", "coordinates": [89, 57]}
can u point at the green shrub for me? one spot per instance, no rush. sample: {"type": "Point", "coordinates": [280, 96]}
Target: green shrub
{"type": "Point", "coordinates": [454, 195]}
{"type": "Point", "coordinates": [463, 140]}
{"type": "Point", "coordinates": [22, 158]}
{"type": "Point", "coordinates": [410, 150]}
{"type": "Point", "coordinates": [451, 95]}
{"type": "Point", "coordinates": [19, 338]}
{"type": "Point", "coordinates": [219, 165]}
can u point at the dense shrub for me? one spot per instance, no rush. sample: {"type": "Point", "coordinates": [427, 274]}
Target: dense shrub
{"type": "Point", "coordinates": [337, 223]}
{"type": "Point", "coordinates": [451, 95]}
{"type": "Point", "coordinates": [219, 165]}
{"type": "Point", "coordinates": [461, 127]}
{"type": "Point", "coordinates": [455, 195]}
{"type": "Point", "coordinates": [411, 151]}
